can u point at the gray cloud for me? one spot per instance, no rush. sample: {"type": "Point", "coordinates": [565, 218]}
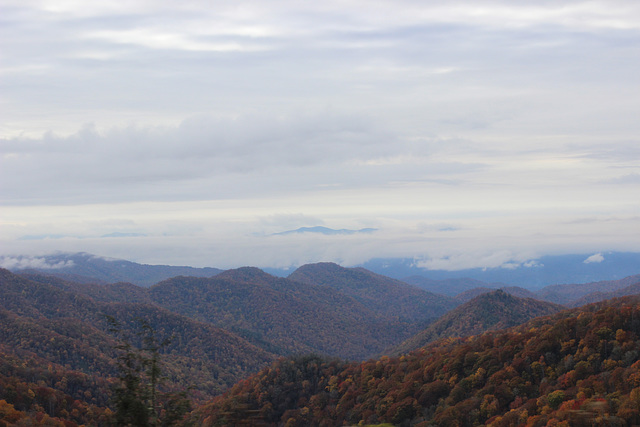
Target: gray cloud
{"type": "Point", "coordinates": [210, 123]}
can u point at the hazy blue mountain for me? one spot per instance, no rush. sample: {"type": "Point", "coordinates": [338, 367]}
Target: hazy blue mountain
{"type": "Point", "coordinates": [601, 296]}
{"type": "Point", "coordinates": [566, 294]}
{"type": "Point", "coordinates": [544, 271]}
{"type": "Point", "coordinates": [324, 230]}
{"type": "Point", "coordinates": [451, 287]}
{"type": "Point", "coordinates": [87, 268]}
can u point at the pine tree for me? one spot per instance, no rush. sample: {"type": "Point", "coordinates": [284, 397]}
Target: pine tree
{"type": "Point", "coordinates": [136, 398]}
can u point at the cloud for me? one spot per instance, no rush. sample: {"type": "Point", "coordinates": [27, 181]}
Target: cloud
{"type": "Point", "coordinates": [251, 155]}
{"type": "Point", "coordinates": [23, 262]}
{"type": "Point", "coordinates": [459, 260]}
{"type": "Point", "coordinates": [595, 258]}
{"type": "Point", "coordinates": [493, 124]}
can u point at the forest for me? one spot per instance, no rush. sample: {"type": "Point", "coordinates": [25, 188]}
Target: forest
{"type": "Point", "coordinates": [318, 348]}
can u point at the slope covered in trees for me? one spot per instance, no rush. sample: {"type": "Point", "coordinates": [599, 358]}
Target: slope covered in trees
{"type": "Point", "coordinates": [512, 290]}
{"type": "Point", "coordinates": [277, 314]}
{"type": "Point", "coordinates": [34, 391]}
{"type": "Point", "coordinates": [71, 330]}
{"type": "Point", "coordinates": [282, 315]}
{"type": "Point", "coordinates": [382, 294]}
{"type": "Point", "coordinates": [578, 367]}
{"type": "Point", "coordinates": [487, 312]}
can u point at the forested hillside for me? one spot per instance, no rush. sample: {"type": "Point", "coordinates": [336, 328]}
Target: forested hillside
{"type": "Point", "coordinates": [285, 316]}
{"type": "Point", "coordinates": [72, 330]}
{"type": "Point", "coordinates": [580, 367]}
{"type": "Point", "coordinates": [282, 315]}
{"type": "Point", "coordinates": [379, 293]}
{"type": "Point", "coordinates": [487, 312]}
{"type": "Point", "coordinates": [61, 349]}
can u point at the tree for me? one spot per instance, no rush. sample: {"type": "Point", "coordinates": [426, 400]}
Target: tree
{"type": "Point", "coordinates": [136, 397]}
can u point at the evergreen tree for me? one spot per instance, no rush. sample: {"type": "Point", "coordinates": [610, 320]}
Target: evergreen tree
{"type": "Point", "coordinates": [136, 399]}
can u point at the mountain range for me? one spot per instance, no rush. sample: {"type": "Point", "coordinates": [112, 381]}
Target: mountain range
{"type": "Point", "coordinates": [532, 274]}
{"type": "Point", "coordinates": [87, 268]}
{"type": "Point", "coordinates": [230, 325]}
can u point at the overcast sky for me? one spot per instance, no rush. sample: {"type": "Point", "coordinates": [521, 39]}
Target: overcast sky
{"type": "Point", "coordinates": [467, 133]}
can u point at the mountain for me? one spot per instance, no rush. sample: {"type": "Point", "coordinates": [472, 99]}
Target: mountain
{"type": "Point", "coordinates": [531, 274]}
{"type": "Point", "coordinates": [486, 312]}
{"type": "Point", "coordinates": [565, 294]}
{"type": "Point", "coordinates": [450, 287]}
{"type": "Point", "coordinates": [577, 367]}
{"type": "Point", "coordinates": [282, 315]}
{"type": "Point", "coordinates": [107, 292]}
{"type": "Point", "coordinates": [516, 291]}
{"type": "Point", "coordinates": [325, 230]}
{"type": "Point", "coordinates": [601, 296]}
{"type": "Point", "coordinates": [379, 293]}
{"type": "Point", "coordinates": [72, 330]}
{"type": "Point", "coordinates": [87, 268]}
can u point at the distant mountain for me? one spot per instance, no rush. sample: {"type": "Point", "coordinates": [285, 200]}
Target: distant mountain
{"type": "Point", "coordinates": [487, 312]}
{"type": "Point", "coordinates": [379, 293]}
{"type": "Point", "coordinates": [87, 268]}
{"type": "Point", "coordinates": [324, 230]}
{"type": "Point", "coordinates": [565, 294]}
{"type": "Point", "coordinates": [451, 287]}
{"type": "Point", "coordinates": [532, 274]}
{"type": "Point", "coordinates": [601, 296]}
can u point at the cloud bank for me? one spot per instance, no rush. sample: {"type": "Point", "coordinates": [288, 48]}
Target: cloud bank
{"type": "Point", "coordinates": [467, 133]}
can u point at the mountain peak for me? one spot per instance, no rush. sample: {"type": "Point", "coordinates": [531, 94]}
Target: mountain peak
{"type": "Point", "coordinates": [247, 274]}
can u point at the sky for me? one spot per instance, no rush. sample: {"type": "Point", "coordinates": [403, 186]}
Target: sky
{"type": "Point", "coordinates": [465, 133]}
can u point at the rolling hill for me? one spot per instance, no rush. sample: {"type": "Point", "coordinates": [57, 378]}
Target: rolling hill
{"type": "Point", "coordinates": [72, 330]}
{"type": "Point", "coordinates": [282, 315]}
{"type": "Point", "coordinates": [577, 367]}
{"type": "Point", "coordinates": [379, 293]}
{"type": "Point", "coordinates": [487, 312]}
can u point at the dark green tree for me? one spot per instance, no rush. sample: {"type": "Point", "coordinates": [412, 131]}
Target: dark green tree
{"type": "Point", "coordinates": [136, 398]}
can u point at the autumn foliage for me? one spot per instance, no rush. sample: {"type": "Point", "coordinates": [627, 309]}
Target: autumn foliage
{"type": "Point", "coordinates": [579, 367]}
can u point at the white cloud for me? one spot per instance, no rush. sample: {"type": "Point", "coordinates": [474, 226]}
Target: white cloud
{"type": "Point", "coordinates": [595, 258]}
{"type": "Point", "coordinates": [25, 262]}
